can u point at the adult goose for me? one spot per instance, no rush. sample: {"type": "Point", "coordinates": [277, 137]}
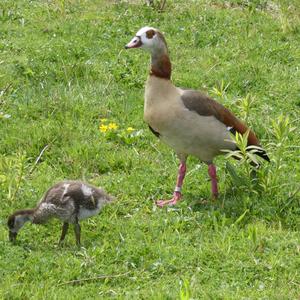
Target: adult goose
{"type": "Point", "coordinates": [188, 121]}
{"type": "Point", "coordinates": [69, 200]}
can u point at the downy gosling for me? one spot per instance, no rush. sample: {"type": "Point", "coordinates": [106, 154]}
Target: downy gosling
{"type": "Point", "coordinates": [69, 201]}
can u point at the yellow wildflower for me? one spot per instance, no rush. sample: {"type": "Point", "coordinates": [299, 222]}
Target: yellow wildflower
{"type": "Point", "coordinates": [130, 129]}
{"type": "Point", "coordinates": [112, 126]}
{"type": "Point", "coordinates": [103, 128]}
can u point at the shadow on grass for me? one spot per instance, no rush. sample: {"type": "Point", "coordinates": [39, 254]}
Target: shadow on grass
{"type": "Point", "coordinates": [232, 204]}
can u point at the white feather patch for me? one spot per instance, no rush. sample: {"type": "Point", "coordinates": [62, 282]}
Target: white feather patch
{"type": "Point", "coordinates": [86, 213]}
{"type": "Point", "coordinates": [143, 30]}
{"type": "Point", "coordinates": [87, 191]}
{"type": "Point", "coordinates": [66, 186]}
{"type": "Point", "coordinates": [47, 206]}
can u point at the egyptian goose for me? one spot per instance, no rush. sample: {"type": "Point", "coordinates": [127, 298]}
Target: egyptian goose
{"type": "Point", "coordinates": [186, 120]}
{"type": "Point", "coordinates": [69, 201]}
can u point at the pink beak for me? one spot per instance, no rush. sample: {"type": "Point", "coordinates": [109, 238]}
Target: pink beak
{"type": "Point", "coordinates": [134, 43]}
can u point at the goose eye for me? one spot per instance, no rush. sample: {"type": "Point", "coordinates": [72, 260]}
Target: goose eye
{"type": "Point", "coordinates": [134, 43]}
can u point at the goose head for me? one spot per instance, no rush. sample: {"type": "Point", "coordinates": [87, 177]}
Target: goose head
{"type": "Point", "coordinates": [149, 39]}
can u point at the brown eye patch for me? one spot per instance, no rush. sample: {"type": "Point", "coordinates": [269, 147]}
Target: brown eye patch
{"type": "Point", "coordinates": [150, 33]}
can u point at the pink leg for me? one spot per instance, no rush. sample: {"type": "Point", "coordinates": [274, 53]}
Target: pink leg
{"type": "Point", "coordinates": [213, 176]}
{"type": "Point", "coordinates": [177, 193]}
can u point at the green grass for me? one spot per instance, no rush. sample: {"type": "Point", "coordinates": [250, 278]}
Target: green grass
{"type": "Point", "coordinates": [63, 68]}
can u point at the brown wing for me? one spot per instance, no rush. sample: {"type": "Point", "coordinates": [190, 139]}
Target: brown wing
{"type": "Point", "coordinates": [205, 106]}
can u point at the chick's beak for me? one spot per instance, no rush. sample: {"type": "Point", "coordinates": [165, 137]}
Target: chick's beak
{"type": "Point", "coordinates": [134, 43]}
{"type": "Point", "coordinates": [12, 236]}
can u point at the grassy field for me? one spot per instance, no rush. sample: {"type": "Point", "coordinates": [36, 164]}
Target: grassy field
{"type": "Point", "coordinates": [64, 77]}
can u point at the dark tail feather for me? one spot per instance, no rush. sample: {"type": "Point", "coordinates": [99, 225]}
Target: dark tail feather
{"type": "Point", "coordinates": [260, 152]}
{"type": "Point", "coordinates": [263, 154]}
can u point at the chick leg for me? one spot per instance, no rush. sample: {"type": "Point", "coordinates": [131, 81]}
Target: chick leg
{"type": "Point", "coordinates": [77, 231]}
{"type": "Point", "coordinates": [63, 232]}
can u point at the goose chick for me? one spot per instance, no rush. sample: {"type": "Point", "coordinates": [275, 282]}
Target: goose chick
{"type": "Point", "coordinates": [188, 121]}
{"type": "Point", "coordinates": [69, 201]}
